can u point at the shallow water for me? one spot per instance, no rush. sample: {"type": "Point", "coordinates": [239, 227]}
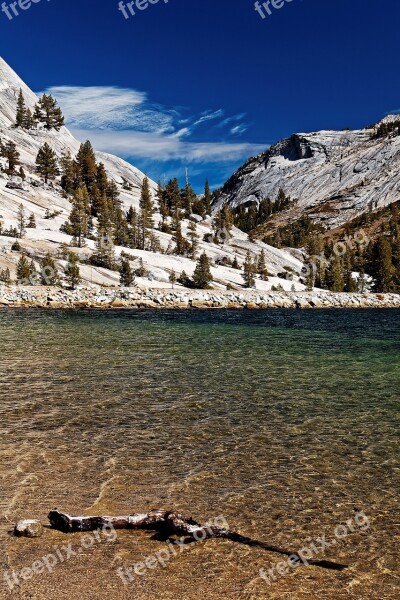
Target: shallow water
{"type": "Point", "coordinates": [284, 422]}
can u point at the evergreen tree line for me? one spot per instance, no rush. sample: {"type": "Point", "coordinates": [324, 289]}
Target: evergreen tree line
{"type": "Point", "coordinates": [46, 161]}
{"type": "Point", "coordinates": [48, 274]}
{"type": "Point", "coordinates": [380, 260]}
{"type": "Point", "coordinates": [46, 113]}
{"type": "Point", "coordinates": [202, 276]}
{"type": "Point", "coordinates": [177, 203]}
{"type": "Point", "coordinates": [248, 216]}
{"type": "Point", "coordinates": [96, 207]}
{"type": "Point", "coordinates": [294, 235]}
{"type": "Point", "coordinates": [254, 266]}
{"type": "Point", "coordinates": [391, 129]}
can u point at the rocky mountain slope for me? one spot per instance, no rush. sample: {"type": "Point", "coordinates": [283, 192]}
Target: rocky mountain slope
{"type": "Point", "coordinates": [331, 176]}
{"type": "Point", "coordinates": [39, 199]}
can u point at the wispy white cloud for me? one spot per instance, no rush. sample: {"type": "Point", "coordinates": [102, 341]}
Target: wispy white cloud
{"type": "Point", "coordinates": [123, 121]}
{"type": "Point", "coordinates": [133, 144]}
{"type": "Point", "coordinates": [239, 129]}
{"type": "Point", "coordinates": [185, 131]}
{"type": "Point", "coordinates": [232, 119]}
{"type": "Point", "coordinates": [112, 108]}
{"type": "Point", "coordinates": [209, 116]}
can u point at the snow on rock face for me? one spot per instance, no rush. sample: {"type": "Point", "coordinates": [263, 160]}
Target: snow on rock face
{"type": "Point", "coordinates": [10, 84]}
{"type": "Point", "coordinates": [333, 175]}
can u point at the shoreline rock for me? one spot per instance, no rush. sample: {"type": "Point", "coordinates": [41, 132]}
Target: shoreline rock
{"type": "Point", "coordinates": [117, 299]}
{"type": "Point", "coordinates": [30, 528]}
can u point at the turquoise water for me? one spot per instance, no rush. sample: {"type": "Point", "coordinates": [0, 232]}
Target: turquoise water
{"type": "Point", "coordinates": [285, 422]}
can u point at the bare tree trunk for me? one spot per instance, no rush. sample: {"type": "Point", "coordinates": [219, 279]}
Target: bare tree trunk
{"type": "Point", "coordinates": [168, 524]}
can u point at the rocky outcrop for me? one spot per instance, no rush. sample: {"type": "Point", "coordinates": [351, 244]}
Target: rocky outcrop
{"type": "Point", "coordinates": [16, 183]}
{"type": "Point", "coordinates": [28, 528]}
{"type": "Point", "coordinates": [333, 176]}
{"type": "Point", "coordinates": [108, 298]}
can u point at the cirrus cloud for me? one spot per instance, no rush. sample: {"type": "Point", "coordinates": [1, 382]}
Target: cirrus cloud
{"type": "Point", "coordinates": [125, 122]}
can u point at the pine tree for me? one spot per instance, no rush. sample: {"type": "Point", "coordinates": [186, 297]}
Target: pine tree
{"type": "Point", "coordinates": [194, 239]}
{"type": "Point", "coordinates": [188, 199]}
{"type": "Point", "coordinates": [21, 111]}
{"type": "Point", "coordinates": [249, 271]}
{"type": "Point", "coordinates": [146, 205]}
{"type": "Point", "coordinates": [127, 277]}
{"type": "Point", "coordinates": [5, 276]}
{"type": "Point", "coordinates": [133, 228]}
{"type": "Point", "coordinates": [262, 266]}
{"type": "Point", "coordinates": [183, 279]}
{"type": "Point", "coordinates": [70, 178]}
{"type": "Point", "coordinates": [104, 255]}
{"type": "Point", "coordinates": [223, 223]}
{"type": "Point", "coordinates": [102, 179]}
{"type": "Point", "coordinates": [180, 242]}
{"type": "Point", "coordinates": [10, 153]}
{"type": "Point", "coordinates": [31, 222]}
{"type": "Point", "coordinates": [335, 276]}
{"type": "Point", "coordinates": [172, 278]}
{"type": "Point", "coordinates": [72, 271]}
{"type": "Point", "coordinates": [104, 215]}
{"type": "Point", "coordinates": [350, 284]}
{"type": "Point", "coordinates": [21, 220]}
{"type": "Point", "coordinates": [29, 121]}
{"type": "Point", "coordinates": [77, 224]}
{"type": "Point", "coordinates": [23, 270]}
{"type": "Point", "coordinates": [160, 195]}
{"type": "Point", "coordinates": [48, 113]}
{"type": "Point", "coordinates": [21, 173]}
{"type": "Point", "coordinates": [383, 269]}
{"type": "Point", "coordinates": [172, 196]}
{"type": "Point", "coordinates": [207, 197]}
{"type": "Point", "coordinates": [141, 271]}
{"type": "Point", "coordinates": [96, 201]}
{"type": "Point", "coordinates": [48, 271]}
{"type": "Point", "coordinates": [235, 264]}
{"type": "Point", "coordinates": [46, 163]}
{"type": "Point", "coordinates": [86, 161]}
{"type": "Point", "coordinates": [121, 229]}
{"type": "Point", "coordinates": [112, 193]}
{"type": "Point", "coordinates": [16, 247]}
{"type": "Point", "coordinates": [202, 276]}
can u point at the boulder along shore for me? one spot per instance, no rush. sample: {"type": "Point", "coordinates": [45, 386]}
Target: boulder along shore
{"type": "Point", "coordinates": [112, 298]}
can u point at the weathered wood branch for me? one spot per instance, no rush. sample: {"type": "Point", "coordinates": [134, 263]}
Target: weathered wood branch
{"type": "Point", "coordinates": [169, 523]}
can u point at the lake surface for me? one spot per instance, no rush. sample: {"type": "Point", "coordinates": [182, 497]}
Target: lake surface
{"type": "Point", "coordinates": [284, 422]}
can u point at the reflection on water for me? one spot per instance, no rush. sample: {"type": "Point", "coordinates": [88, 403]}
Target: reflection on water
{"type": "Point", "coordinates": [285, 422]}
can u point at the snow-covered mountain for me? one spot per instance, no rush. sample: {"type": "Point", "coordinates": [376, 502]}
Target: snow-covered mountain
{"type": "Point", "coordinates": [333, 176]}
{"type": "Point", "coordinates": [37, 198]}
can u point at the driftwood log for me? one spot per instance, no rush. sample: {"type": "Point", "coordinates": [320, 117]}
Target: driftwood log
{"type": "Point", "coordinates": [168, 524]}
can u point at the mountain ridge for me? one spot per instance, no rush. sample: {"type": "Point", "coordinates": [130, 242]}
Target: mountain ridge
{"type": "Point", "coordinates": [331, 176]}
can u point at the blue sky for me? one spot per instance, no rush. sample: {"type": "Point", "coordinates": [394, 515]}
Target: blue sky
{"type": "Point", "coordinates": [204, 84]}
